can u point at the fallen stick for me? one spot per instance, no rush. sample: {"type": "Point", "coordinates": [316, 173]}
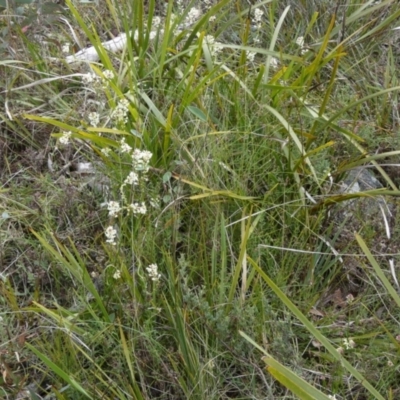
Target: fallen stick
{"type": "Point", "coordinates": [90, 54]}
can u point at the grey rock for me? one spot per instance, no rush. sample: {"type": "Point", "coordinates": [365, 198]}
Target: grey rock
{"type": "Point", "coordinates": [360, 179]}
{"type": "Point", "coordinates": [375, 212]}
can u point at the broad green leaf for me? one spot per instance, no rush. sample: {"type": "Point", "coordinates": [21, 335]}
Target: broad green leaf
{"type": "Point", "coordinates": [294, 383]}
{"type": "Point", "coordinates": [198, 113]}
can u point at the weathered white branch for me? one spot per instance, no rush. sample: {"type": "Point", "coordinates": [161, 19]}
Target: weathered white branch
{"type": "Point", "coordinates": [90, 54]}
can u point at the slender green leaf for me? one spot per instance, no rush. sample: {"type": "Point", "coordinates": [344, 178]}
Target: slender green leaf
{"type": "Point", "coordinates": [315, 332]}
{"type": "Point", "coordinates": [66, 376]}
{"type": "Point", "coordinates": [378, 270]}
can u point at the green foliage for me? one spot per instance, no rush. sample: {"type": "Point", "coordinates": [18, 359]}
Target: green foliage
{"type": "Point", "coordinates": [5, 3]}
{"type": "Point", "coordinates": [171, 210]}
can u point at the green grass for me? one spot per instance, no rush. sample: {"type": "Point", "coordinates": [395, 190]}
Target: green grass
{"type": "Point", "coordinates": [260, 291]}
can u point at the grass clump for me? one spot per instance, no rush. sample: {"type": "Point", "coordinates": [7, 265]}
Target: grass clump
{"type": "Point", "coordinates": [174, 213]}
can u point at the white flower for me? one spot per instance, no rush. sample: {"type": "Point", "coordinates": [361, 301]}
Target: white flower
{"type": "Point", "coordinates": [108, 74]}
{"type": "Point", "coordinates": [132, 179]}
{"type": "Point", "coordinates": [138, 208]}
{"type": "Point", "coordinates": [193, 15]}
{"type": "Point", "coordinates": [94, 118]}
{"type": "Point", "coordinates": [125, 148]}
{"type": "Point", "coordinates": [111, 234]}
{"type": "Point", "coordinates": [113, 208]}
{"type": "Point", "coordinates": [349, 298]}
{"type": "Point", "coordinates": [65, 48]}
{"type": "Point", "coordinates": [156, 22]}
{"type": "Point", "coordinates": [332, 397]}
{"type": "Point", "coordinates": [141, 159]}
{"type": "Point", "coordinates": [209, 39]}
{"type": "Point", "coordinates": [124, 103]}
{"type": "Point", "coordinates": [258, 15]}
{"type": "Point", "coordinates": [106, 151]}
{"type": "Point", "coordinates": [117, 275]}
{"type": "Point", "coordinates": [212, 18]}
{"type": "Point", "coordinates": [349, 344]}
{"type": "Point", "coordinates": [89, 78]}
{"type": "Point", "coordinates": [214, 46]}
{"type": "Point", "coordinates": [274, 62]}
{"type": "Point", "coordinates": [300, 41]}
{"type": "Point", "coordinates": [121, 111]}
{"type": "Point", "coordinates": [152, 270]}
{"type": "Point", "coordinates": [64, 139]}
{"type": "Point", "coordinates": [251, 55]}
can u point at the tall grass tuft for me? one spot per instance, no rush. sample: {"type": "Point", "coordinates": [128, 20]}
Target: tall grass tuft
{"type": "Point", "coordinates": [173, 216]}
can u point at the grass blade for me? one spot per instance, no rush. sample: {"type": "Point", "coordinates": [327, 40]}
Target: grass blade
{"type": "Point", "coordinates": [315, 332]}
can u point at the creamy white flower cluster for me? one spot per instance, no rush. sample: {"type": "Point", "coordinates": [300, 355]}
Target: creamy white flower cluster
{"type": "Point", "coordinates": [300, 42]}
{"type": "Point", "coordinates": [214, 46]}
{"type": "Point", "coordinates": [108, 75]}
{"type": "Point", "coordinates": [98, 84]}
{"type": "Point", "coordinates": [140, 158]}
{"type": "Point", "coordinates": [152, 270]}
{"type": "Point", "coordinates": [90, 79]}
{"type": "Point", "coordinates": [64, 139]}
{"type": "Point", "coordinates": [257, 17]}
{"type": "Point", "coordinates": [256, 20]}
{"type": "Point", "coordinates": [193, 15]}
{"type": "Point", "coordinates": [138, 208]}
{"type": "Point", "coordinates": [132, 179]}
{"type": "Point", "coordinates": [120, 113]}
{"type": "Point", "coordinates": [94, 118]}
{"type": "Point", "coordinates": [140, 167]}
{"type": "Point", "coordinates": [114, 208]}
{"type": "Point", "coordinates": [111, 234]}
